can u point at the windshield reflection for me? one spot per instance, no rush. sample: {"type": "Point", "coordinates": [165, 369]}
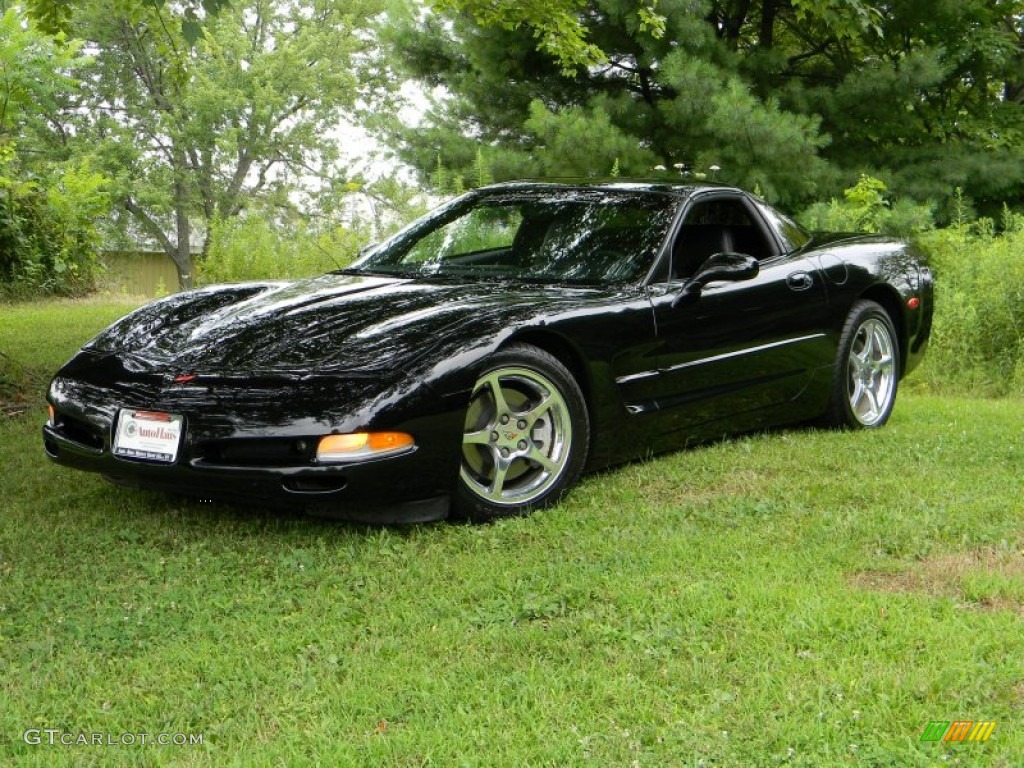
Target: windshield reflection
{"type": "Point", "coordinates": [565, 236]}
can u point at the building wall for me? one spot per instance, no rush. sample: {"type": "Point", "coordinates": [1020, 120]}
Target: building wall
{"type": "Point", "coordinates": [138, 274]}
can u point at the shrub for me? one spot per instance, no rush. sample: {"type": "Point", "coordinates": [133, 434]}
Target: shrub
{"type": "Point", "coordinates": [978, 336]}
{"type": "Point", "coordinates": [48, 234]}
{"type": "Point", "coordinates": [865, 208]}
{"type": "Point", "coordinates": [977, 342]}
{"type": "Point", "coordinates": [251, 248]}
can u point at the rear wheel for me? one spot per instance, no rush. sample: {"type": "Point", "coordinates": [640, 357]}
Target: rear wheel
{"type": "Point", "coordinates": [867, 369]}
{"type": "Point", "coordinates": [525, 438]}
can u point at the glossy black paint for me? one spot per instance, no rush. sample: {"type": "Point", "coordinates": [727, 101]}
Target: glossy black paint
{"type": "Point", "coordinates": [275, 366]}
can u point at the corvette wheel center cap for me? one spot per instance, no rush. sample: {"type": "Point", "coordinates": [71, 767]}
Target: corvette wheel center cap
{"type": "Point", "coordinates": [509, 435]}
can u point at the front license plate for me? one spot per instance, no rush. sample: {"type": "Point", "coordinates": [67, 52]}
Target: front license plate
{"type": "Point", "coordinates": [148, 435]}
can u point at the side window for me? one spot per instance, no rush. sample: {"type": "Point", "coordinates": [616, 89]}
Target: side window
{"type": "Point", "coordinates": [789, 232]}
{"type": "Point", "coordinates": [720, 225]}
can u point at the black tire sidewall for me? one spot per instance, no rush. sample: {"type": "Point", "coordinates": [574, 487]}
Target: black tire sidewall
{"type": "Point", "coordinates": [468, 505]}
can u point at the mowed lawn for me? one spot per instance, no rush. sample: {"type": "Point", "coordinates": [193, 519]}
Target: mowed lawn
{"type": "Point", "coordinates": [792, 598]}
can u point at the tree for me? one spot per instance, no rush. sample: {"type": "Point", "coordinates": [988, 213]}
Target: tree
{"type": "Point", "coordinates": [556, 24]}
{"type": "Point", "coordinates": [796, 97]}
{"type": "Point", "coordinates": [192, 134]}
{"type": "Point", "coordinates": [49, 204]}
{"type": "Point", "coordinates": [56, 17]}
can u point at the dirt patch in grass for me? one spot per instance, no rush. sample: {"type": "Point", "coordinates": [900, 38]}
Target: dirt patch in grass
{"type": "Point", "coordinates": [985, 578]}
{"type": "Point", "coordinates": [1018, 693]}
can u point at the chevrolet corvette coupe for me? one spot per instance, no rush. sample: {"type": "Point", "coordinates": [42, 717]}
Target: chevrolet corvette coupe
{"type": "Point", "coordinates": [480, 360]}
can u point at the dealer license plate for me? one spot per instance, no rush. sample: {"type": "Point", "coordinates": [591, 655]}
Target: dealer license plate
{"type": "Point", "coordinates": [148, 435]}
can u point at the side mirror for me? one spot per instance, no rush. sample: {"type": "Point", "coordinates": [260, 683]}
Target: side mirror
{"type": "Point", "coordinates": [720, 267]}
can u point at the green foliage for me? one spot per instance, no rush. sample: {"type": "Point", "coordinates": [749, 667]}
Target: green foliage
{"type": "Point", "coordinates": [241, 115]}
{"type": "Point", "coordinates": [978, 336]}
{"type": "Point", "coordinates": [56, 17]}
{"type": "Point", "coordinates": [578, 142]}
{"type": "Point", "coordinates": [556, 25]}
{"type": "Point", "coordinates": [793, 97]}
{"type": "Point", "coordinates": [48, 234]}
{"type": "Point", "coordinates": [977, 340]}
{"type": "Point", "coordinates": [866, 208]}
{"type": "Point", "coordinates": [49, 205]}
{"type": "Point", "coordinates": [34, 72]}
{"type": "Point", "coordinates": [252, 248]}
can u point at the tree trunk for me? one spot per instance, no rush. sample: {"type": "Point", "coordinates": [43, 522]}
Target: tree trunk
{"type": "Point", "coordinates": [766, 34]}
{"type": "Point", "coordinates": [183, 253]}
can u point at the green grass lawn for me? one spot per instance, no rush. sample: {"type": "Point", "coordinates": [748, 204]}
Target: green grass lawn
{"type": "Point", "coordinates": [798, 598]}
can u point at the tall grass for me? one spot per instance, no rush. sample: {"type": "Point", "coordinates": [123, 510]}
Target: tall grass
{"type": "Point", "coordinates": [977, 344]}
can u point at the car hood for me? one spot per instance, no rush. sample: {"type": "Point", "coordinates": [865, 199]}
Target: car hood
{"type": "Point", "coordinates": [334, 322]}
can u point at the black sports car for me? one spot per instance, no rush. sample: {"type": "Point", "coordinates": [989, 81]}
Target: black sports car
{"type": "Point", "coordinates": [484, 357]}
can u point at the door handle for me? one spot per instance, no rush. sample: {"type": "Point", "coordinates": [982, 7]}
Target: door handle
{"type": "Point", "coordinates": [800, 281]}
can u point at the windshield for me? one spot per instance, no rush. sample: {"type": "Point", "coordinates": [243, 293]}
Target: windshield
{"type": "Point", "coordinates": [549, 236]}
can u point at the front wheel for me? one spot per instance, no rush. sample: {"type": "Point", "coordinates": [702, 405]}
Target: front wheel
{"type": "Point", "coordinates": [525, 438]}
{"type": "Point", "coordinates": [867, 369]}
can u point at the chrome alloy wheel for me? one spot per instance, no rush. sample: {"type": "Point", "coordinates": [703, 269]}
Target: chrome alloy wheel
{"type": "Point", "coordinates": [872, 372]}
{"type": "Point", "coordinates": [517, 437]}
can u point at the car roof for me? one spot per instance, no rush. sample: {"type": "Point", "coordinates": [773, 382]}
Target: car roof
{"type": "Point", "coordinates": [680, 189]}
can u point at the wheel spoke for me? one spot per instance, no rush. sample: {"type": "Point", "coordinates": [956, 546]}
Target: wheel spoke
{"type": "Point", "coordinates": [872, 397]}
{"type": "Point", "coordinates": [884, 364]}
{"type": "Point", "coordinates": [540, 409]}
{"type": "Point", "coordinates": [856, 366]}
{"type": "Point", "coordinates": [498, 481]}
{"type": "Point", "coordinates": [857, 394]}
{"type": "Point", "coordinates": [869, 345]}
{"type": "Point", "coordinates": [500, 404]}
{"type": "Point", "coordinates": [481, 437]}
{"type": "Point", "coordinates": [861, 359]}
{"type": "Point", "coordinates": [538, 456]}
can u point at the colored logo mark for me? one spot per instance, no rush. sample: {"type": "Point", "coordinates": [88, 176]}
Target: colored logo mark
{"type": "Point", "coordinates": [958, 730]}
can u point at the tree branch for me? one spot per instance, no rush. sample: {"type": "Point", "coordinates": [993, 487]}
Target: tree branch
{"type": "Point", "coordinates": [150, 225]}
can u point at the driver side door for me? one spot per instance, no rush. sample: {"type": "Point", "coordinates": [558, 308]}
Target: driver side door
{"type": "Point", "coordinates": [737, 347]}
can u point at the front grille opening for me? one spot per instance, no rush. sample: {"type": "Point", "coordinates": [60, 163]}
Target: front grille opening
{"type": "Point", "coordinates": [78, 431]}
{"type": "Point", "coordinates": [259, 452]}
{"type": "Point", "coordinates": [312, 484]}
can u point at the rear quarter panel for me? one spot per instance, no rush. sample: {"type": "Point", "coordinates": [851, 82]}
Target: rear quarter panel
{"type": "Point", "coordinates": [887, 271]}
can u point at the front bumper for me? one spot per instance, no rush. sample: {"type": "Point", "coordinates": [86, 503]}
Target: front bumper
{"type": "Point", "coordinates": [398, 489]}
{"type": "Point", "coordinates": [243, 443]}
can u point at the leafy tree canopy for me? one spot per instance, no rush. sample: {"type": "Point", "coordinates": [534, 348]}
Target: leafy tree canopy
{"type": "Point", "coordinates": [795, 97]}
{"type": "Point", "coordinates": [55, 17]}
{"type": "Point", "coordinates": [49, 204]}
{"type": "Point", "coordinates": [557, 26]}
{"type": "Point", "coordinates": [193, 134]}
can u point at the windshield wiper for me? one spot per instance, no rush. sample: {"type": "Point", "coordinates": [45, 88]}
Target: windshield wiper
{"type": "Point", "coordinates": [362, 272]}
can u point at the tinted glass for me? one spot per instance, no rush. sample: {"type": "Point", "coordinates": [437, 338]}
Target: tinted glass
{"type": "Point", "coordinates": [719, 225]}
{"type": "Point", "coordinates": [581, 236]}
{"type": "Point", "coordinates": [790, 233]}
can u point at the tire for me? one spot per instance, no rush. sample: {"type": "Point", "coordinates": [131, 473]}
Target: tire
{"type": "Point", "coordinates": [526, 436]}
{"type": "Point", "coordinates": [867, 369]}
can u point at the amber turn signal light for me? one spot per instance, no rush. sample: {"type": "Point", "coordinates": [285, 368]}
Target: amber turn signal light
{"type": "Point", "coordinates": [362, 445]}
